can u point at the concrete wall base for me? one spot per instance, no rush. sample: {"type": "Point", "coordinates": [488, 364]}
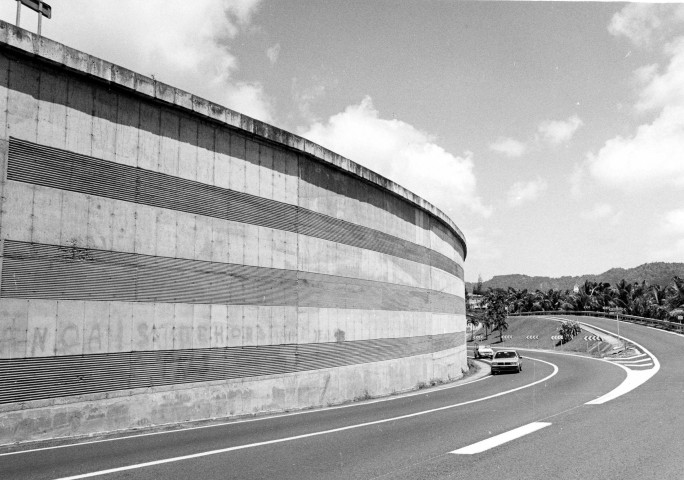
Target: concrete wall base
{"type": "Point", "coordinates": [142, 408]}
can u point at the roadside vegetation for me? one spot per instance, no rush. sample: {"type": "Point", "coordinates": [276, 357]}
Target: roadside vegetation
{"type": "Point", "coordinates": [638, 299]}
{"type": "Point", "coordinates": [569, 330]}
{"type": "Point", "coordinates": [544, 331]}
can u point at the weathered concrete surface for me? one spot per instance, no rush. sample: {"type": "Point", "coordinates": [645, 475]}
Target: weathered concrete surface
{"type": "Point", "coordinates": [54, 96]}
{"type": "Point", "coordinates": [102, 70]}
{"type": "Point", "coordinates": [147, 407]}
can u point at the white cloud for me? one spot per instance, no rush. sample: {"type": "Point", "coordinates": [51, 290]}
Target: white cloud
{"type": "Point", "coordinates": [668, 240]}
{"type": "Point", "coordinates": [248, 98]}
{"type": "Point", "coordinates": [653, 157]}
{"type": "Point", "coordinates": [646, 24]}
{"type": "Point", "coordinates": [272, 53]}
{"type": "Point", "coordinates": [185, 44]}
{"type": "Point", "coordinates": [522, 192]}
{"type": "Point", "coordinates": [646, 74]}
{"type": "Point", "coordinates": [637, 22]}
{"type": "Point", "coordinates": [673, 222]}
{"type": "Point", "coordinates": [577, 180]}
{"type": "Point", "coordinates": [402, 153]}
{"type": "Point", "coordinates": [305, 96]}
{"type": "Point", "coordinates": [556, 132]}
{"type": "Point", "coordinates": [482, 246]}
{"type": "Point", "coordinates": [509, 147]}
{"type": "Point", "coordinates": [484, 252]}
{"type": "Point", "coordinates": [661, 90]}
{"type": "Point", "coordinates": [603, 212]}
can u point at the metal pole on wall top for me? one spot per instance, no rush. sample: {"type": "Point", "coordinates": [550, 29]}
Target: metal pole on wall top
{"type": "Point", "coordinates": [40, 16]}
{"type": "Point", "coordinates": [39, 6]}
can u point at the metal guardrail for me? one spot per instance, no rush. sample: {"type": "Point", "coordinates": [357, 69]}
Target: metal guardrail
{"type": "Point", "coordinates": [651, 322]}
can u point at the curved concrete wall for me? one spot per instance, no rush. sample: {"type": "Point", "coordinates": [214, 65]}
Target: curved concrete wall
{"type": "Point", "coordinates": [166, 259]}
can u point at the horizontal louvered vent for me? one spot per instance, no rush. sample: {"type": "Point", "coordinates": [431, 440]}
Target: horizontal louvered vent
{"type": "Point", "coordinates": [42, 378]}
{"type": "Point", "coordinates": [69, 273]}
{"type": "Point", "coordinates": [55, 168]}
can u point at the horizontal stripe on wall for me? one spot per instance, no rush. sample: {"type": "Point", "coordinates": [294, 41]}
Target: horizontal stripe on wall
{"type": "Point", "coordinates": [61, 169]}
{"type": "Point", "coordinates": [30, 379]}
{"type": "Point", "coordinates": [337, 181]}
{"type": "Point", "coordinates": [71, 273]}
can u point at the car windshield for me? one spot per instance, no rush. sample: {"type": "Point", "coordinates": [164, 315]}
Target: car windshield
{"type": "Point", "coordinates": [505, 355]}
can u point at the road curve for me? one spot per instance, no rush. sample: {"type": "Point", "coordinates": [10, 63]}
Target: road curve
{"type": "Point", "coordinates": [413, 437]}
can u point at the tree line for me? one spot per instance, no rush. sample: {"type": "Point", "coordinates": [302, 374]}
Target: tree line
{"type": "Point", "coordinates": [638, 299]}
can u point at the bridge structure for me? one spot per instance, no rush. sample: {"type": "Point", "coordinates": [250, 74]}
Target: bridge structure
{"type": "Point", "coordinates": [166, 259]}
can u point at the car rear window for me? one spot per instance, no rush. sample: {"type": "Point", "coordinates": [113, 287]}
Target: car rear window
{"type": "Point", "coordinates": [505, 355]}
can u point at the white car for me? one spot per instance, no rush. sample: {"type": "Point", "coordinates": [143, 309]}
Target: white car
{"type": "Point", "coordinates": [482, 351]}
{"type": "Point", "coordinates": [506, 361]}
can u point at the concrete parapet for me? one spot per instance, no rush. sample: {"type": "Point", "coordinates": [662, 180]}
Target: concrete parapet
{"type": "Point", "coordinates": [160, 238]}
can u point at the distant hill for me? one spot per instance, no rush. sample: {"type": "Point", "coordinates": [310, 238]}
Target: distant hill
{"type": "Point", "coordinates": [660, 273]}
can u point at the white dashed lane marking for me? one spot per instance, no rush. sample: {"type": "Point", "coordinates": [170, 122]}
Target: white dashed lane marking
{"type": "Point", "coordinates": [500, 439]}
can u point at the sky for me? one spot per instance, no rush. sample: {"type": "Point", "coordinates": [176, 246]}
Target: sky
{"type": "Point", "coordinates": [551, 133]}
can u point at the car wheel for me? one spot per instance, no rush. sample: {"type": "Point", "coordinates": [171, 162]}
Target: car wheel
{"type": "Point", "coordinates": [519, 368]}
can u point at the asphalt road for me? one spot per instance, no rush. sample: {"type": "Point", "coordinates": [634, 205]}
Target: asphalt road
{"type": "Point", "coordinates": [639, 435]}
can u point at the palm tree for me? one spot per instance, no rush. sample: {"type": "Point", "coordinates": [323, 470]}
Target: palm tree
{"type": "Point", "coordinates": [473, 321]}
{"type": "Point", "coordinates": [580, 300]}
{"type": "Point", "coordinates": [622, 294]}
{"type": "Point", "coordinates": [487, 323]}
{"type": "Point", "coordinates": [502, 325]}
{"type": "Point", "coordinates": [522, 300]}
{"type": "Point", "coordinates": [625, 295]}
{"type": "Point", "coordinates": [675, 294]}
{"type": "Point", "coordinates": [656, 307]}
{"type": "Point", "coordinates": [597, 293]}
{"type": "Point", "coordinates": [496, 301]}
{"type": "Point", "coordinates": [602, 295]}
{"type": "Point", "coordinates": [549, 301]}
{"type": "Point", "coordinates": [515, 298]}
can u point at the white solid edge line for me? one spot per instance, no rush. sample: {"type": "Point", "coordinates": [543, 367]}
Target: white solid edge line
{"type": "Point", "coordinates": [250, 420]}
{"type": "Point", "coordinates": [308, 435]}
{"type": "Point", "coordinates": [634, 379]}
{"type": "Point", "coordinates": [500, 439]}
